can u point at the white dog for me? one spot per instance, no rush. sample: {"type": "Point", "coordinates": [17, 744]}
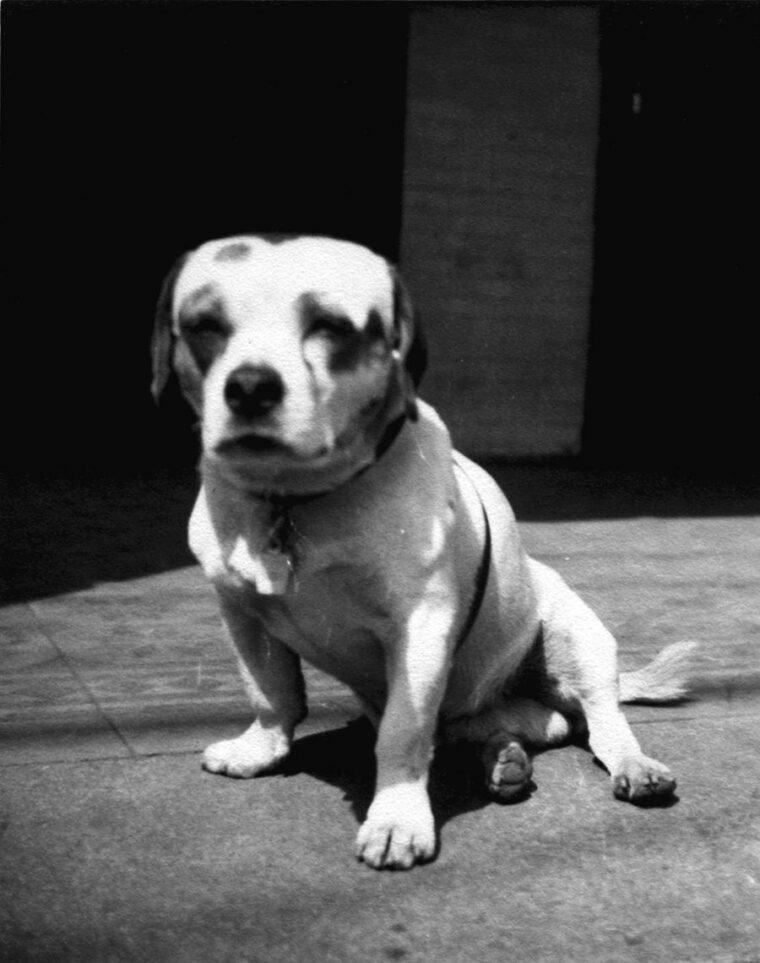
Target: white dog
{"type": "Point", "coordinates": [338, 526]}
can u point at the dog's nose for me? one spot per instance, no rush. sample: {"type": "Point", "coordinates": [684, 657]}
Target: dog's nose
{"type": "Point", "coordinates": [251, 391]}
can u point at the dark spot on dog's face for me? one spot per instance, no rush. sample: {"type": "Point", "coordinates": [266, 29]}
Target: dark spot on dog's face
{"type": "Point", "coordinates": [236, 251]}
{"type": "Point", "coordinates": [374, 328]}
{"type": "Point", "coordinates": [363, 344]}
{"type": "Point", "coordinates": [203, 325]}
{"type": "Point", "coordinates": [318, 318]}
{"type": "Point", "coordinates": [275, 237]}
{"type": "Point", "coordinates": [349, 346]}
{"type": "Point", "coordinates": [205, 294]}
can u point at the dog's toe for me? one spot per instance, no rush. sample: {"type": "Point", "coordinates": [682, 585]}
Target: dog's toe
{"type": "Point", "coordinates": [642, 781]}
{"type": "Point", "coordinates": [507, 768]}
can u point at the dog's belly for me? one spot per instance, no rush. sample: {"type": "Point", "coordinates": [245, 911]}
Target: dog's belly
{"type": "Point", "coordinates": [333, 628]}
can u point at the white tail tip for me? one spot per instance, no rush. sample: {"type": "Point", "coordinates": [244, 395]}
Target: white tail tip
{"type": "Point", "coordinates": [666, 679]}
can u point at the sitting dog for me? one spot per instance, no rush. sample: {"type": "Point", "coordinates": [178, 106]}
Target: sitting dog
{"type": "Point", "coordinates": [338, 525]}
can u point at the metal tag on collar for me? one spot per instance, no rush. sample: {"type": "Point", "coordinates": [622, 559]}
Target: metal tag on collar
{"type": "Point", "coordinates": [271, 568]}
{"type": "Point", "coordinates": [274, 571]}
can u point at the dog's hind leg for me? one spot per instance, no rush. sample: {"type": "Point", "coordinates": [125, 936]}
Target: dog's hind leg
{"type": "Point", "coordinates": [273, 682]}
{"type": "Point", "coordinates": [508, 733]}
{"type": "Point", "coordinates": [581, 657]}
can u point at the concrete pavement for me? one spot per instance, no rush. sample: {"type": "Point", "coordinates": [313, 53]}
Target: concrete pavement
{"type": "Point", "coordinates": [116, 846]}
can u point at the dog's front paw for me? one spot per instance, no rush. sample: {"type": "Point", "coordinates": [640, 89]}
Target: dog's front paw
{"type": "Point", "coordinates": [399, 830]}
{"type": "Point", "coordinates": [256, 751]}
{"type": "Point", "coordinates": [643, 781]}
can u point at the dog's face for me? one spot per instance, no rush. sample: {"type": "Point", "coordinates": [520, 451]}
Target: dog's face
{"type": "Point", "coordinates": [297, 354]}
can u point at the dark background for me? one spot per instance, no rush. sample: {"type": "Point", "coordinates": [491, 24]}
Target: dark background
{"type": "Point", "coordinates": [132, 131]}
{"type": "Point", "coordinates": [673, 377]}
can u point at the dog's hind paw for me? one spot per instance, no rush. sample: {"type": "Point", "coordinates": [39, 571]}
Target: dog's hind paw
{"type": "Point", "coordinates": [256, 751]}
{"type": "Point", "coordinates": [643, 781]}
{"type": "Point", "coordinates": [507, 768]}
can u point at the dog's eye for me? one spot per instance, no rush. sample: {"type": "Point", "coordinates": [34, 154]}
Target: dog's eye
{"type": "Point", "coordinates": [205, 334]}
{"type": "Point", "coordinates": [334, 326]}
{"type": "Point", "coordinates": [204, 324]}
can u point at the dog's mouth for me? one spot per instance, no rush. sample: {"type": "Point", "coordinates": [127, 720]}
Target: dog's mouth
{"type": "Point", "coordinates": [252, 444]}
{"type": "Point", "coordinates": [267, 449]}
{"type": "Point", "coordinates": [295, 466]}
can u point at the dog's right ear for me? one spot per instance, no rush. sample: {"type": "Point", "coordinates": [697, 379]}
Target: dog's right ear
{"type": "Point", "coordinates": [162, 341]}
{"type": "Point", "coordinates": [408, 324]}
{"type": "Point", "coordinates": [411, 346]}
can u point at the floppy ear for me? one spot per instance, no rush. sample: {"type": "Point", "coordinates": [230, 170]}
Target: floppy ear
{"type": "Point", "coordinates": [410, 340]}
{"type": "Point", "coordinates": [162, 341]}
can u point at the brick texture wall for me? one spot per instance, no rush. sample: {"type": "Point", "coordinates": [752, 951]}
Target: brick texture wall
{"type": "Point", "coordinates": [497, 226]}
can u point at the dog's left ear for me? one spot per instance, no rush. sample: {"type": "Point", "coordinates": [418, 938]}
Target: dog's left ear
{"type": "Point", "coordinates": [410, 339]}
{"type": "Point", "coordinates": [162, 342]}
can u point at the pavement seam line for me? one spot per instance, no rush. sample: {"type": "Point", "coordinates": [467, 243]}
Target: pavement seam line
{"type": "Point", "coordinates": [70, 667]}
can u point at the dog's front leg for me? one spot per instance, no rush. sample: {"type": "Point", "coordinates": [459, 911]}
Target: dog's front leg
{"type": "Point", "coordinates": [273, 681]}
{"type": "Point", "coordinates": [399, 830]}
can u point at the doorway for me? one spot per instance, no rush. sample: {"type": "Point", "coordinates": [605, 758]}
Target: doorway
{"type": "Point", "coordinates": [672, 364]}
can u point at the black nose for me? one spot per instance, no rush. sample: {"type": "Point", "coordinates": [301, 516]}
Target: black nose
{"type": "Point", "coordinates": [251, 391]}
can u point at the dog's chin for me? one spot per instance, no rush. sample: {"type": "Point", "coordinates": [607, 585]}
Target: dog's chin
{"type": "Point", "coordinates": [269, 465]}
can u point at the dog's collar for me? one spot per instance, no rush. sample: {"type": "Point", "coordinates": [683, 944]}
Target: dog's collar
{"type": "Point", "coordinates": [391, 433]}
{"type": "Point", "coordinates": [484, 568]}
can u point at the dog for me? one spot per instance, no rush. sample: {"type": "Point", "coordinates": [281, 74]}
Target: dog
{"type": "Point", "coordinates": [338, 526]}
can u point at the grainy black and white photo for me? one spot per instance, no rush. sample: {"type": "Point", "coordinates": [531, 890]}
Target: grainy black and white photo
{"type": "Point", "coordinates": [380, 481]}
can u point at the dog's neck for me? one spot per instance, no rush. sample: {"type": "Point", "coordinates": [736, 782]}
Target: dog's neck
{"type": "Point", "coordinates": [254, 530]}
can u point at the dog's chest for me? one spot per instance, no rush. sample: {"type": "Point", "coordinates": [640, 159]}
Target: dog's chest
{"type": "Point", "coordinates": [335, 617]}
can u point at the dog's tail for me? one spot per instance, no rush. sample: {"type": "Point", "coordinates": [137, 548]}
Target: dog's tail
{"type": "Point", "coordinates": [666, 679]}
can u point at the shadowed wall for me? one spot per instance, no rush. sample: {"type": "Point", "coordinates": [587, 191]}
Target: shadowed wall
{"type": "Point", "coordinates": [497, 223]}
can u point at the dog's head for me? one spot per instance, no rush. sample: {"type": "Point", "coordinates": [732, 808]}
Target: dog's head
{"type": "Point", "coordinates": [297, 353]}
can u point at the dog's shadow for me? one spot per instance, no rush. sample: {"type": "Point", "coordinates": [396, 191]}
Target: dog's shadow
{"type": "Point", "coordinates": [345, 758]}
